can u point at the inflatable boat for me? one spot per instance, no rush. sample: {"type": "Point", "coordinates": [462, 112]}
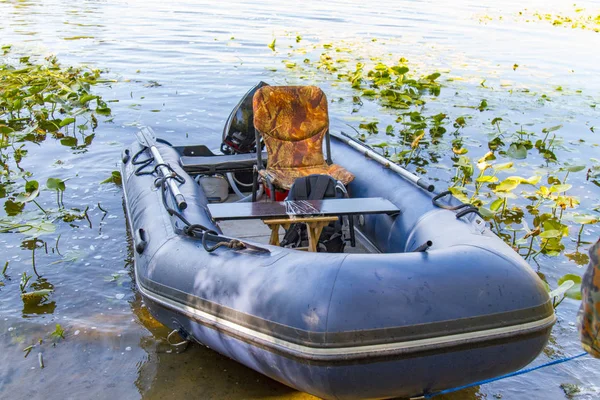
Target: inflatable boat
{"type": "Point", "coordinates": [421, 297]}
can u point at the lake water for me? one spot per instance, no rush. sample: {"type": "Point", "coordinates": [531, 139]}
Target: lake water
{"type": "Point", "coordinates": [180, 67]}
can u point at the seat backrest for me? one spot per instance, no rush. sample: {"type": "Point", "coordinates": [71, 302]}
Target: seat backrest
{"type": "Point", "coordinates": [292, 121]}
{"type": "Point", "coordinates": [314, 187]}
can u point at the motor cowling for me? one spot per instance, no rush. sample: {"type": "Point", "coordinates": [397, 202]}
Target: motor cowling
{"type": "Point", "coordinates": [239, 135]}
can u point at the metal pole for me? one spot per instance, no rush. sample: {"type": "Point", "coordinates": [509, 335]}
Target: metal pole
{"type": "Point", "coordinates": [368, 152]}
{"type": "Point", "coordinates": [147, 135]}
{"type": "Point", "coordinates": [179, 199]}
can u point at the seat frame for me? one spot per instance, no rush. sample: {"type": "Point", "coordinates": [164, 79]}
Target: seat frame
{"type": "Point", "coordinates": [261, 165]}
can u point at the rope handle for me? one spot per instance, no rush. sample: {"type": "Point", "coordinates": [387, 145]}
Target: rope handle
{"type": "Point", "coordinates": [464, 207]}
{"type": "Point", "coordinates": [189, 228]}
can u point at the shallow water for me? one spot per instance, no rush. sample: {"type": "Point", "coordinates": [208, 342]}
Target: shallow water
{"type": "Point", "coordinates": [204, 57]}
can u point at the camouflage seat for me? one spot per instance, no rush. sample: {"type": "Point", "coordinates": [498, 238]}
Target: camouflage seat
{"type": "Point", "coordinates": [293, 121]}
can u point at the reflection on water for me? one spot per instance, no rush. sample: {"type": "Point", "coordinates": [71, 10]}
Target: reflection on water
{"type": "Point", "coordinates": [181, 67]}
{"type": "Point", "coordinates": [197, 372]}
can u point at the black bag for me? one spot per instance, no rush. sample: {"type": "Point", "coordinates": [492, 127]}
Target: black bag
{"type": "Point", "coordinates": [315, 187]}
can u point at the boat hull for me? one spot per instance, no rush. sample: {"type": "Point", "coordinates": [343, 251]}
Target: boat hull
{"type": "Point", "coordinates": [346, 326]}
{"type": "Point", "coordinates": [400, 376]}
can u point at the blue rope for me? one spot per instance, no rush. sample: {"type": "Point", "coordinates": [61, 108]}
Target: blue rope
{"type": "Point", "coordinates": [521, 372]}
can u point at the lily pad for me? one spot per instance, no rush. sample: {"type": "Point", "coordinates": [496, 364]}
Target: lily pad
{"type": "Point", "coordinates": [115, 177]}
{"type": "Point", "coordinates": [32, 190]}
{"type": "Point", "coordinates": [517, 151]}
{"type": "Point", "coordinates": [55, 184]}
{"type": "Point", "coordinates": [36, 229]}
{"type": "Point", "coordinates": [552, 233]}
{"type": "Point", "coordinates": [575, 291]}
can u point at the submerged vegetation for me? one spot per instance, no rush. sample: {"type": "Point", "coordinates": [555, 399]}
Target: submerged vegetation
{"type": "Point", "coordinates": [41, 100]}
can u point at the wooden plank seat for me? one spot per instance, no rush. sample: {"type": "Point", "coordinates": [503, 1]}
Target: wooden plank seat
{"type": "Point", "coordinates": [218, 164]}
{"type": "Point", "coordinates": [316, 214]}
{"type": "Point", "coordinates": [302, 208]}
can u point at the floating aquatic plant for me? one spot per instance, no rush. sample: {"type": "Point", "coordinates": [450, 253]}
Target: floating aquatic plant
{"type": "Point", "coordinates": [59, 332]}
{"type": "Point", "coordinates": [535, 213]}
{"type": "Point", "coordinates": [41, 100]}
{"type": "Point", "coordinates": [115, 177]}
{"type": "Point", "coordinates": [391, 84]}
{"type": "Point", "coordinates": [575, 18]}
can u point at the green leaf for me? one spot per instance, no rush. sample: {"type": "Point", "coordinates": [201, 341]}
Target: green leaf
{"type": "Point", "coordinates": [59, 332]}
{"type": "Point", "coordinates": [32, 190]}
{"type": "Point", "coordinates": [585, 219]}
{"type": "Point", "coordinates": [31, 186]}
{"type": "Point", "coordinates": [458, 192]}
{"type": "Point", "coordinates": [483, 105]}
{"type": "Point", "coordinates": [503, 166]}
{"type": "Point", "coordinates": [532, 180]}
{"type": "Point", "coordinates": [5, 130]}
{"type": "Point", "coordinates": [560, 188]}
{"type": "Point", "coordinates": [486, 213]}
{"type": "Point", "coordinates": [460, 122]}
{"type": "Point", "coordinates": [55, 184]}
{"type": "Point", "coordinates": [561, 290]}
{"type": "Point", "coordinates": [86, 98]}
{"type": "Point", "coordinates": [400, 70]}
{"type": "Point", "coordinates": [552, 233]}
{"type": "Point", "coordinates": [389, 130]}
{"type": "Point", "coordinates": [66, 121]}
{"type": "Point", "coordinates": [517, 151]}
{"type": "Point", "coordinates": [69, 141]}
{"type": "Point", "coordinates": [575, 291]}
{"type": "Point", "coordinates": [38, 229]}
{"type": "Point", "coordinates": [370, 127]}
{"type": "Point", "coordinates": [381, 145]}
{"type": "Point", "coordinates": [508, 184]}
{"type": "Point", "coordinates": [103, 111]}
{"type": "Point", "coordinates": [496, 204]}
{"type": "Point", "coordinates": [272, 44]}
{"type": "Point", "coordinates": [552, 129]}
{"type": "Point", "coordinates": [487, 178]}
{"type": "Point", "coordinates": [575, 168]}
{"type": "Point", "coordinates": [115, 177]}
{"type": "Point", "coordinates": [65, 87]}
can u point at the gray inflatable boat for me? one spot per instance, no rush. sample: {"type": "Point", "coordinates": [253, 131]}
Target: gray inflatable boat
{"type": "Point", "coordinates": [426, 299]}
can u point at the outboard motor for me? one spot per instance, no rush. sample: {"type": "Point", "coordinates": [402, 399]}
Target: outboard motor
{"type": "Point", "coordinates": [239, 135]}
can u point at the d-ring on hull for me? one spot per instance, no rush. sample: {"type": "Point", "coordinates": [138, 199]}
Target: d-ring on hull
{"type": "Point", "coordinates": [339, 325]}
